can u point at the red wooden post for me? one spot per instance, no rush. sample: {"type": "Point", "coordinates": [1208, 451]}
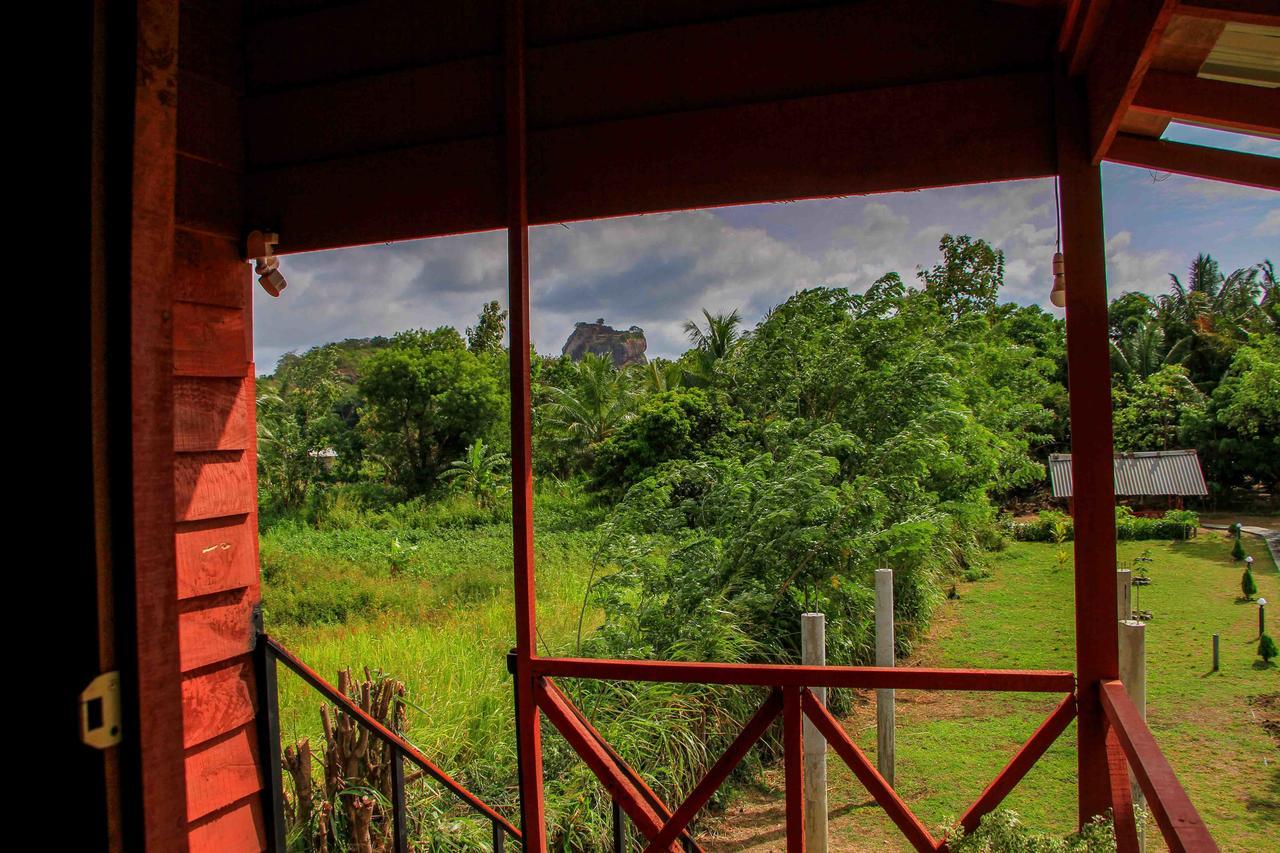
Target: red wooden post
{"type": "Point", "coordinates": [1089, 372]}
{"type": "Point", "coordinates": [528, 732]}
{"type": "Point", "coordinates": [793, 762]}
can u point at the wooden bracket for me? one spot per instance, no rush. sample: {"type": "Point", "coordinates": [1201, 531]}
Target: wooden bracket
{"type": "Point", "coordinates": [260, 249]}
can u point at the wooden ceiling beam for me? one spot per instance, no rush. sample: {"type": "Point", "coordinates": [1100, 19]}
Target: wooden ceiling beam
{"type": "Point", "coordinates": [1264, 13]}
{"type": "Point", "coordinates": [901, 138]}
{"type": "Point", "coordinates": [1126, 43]}
{"type": "Point", "coordinates": [1198, 161]}
{"type": "Point", "coordinates": [1232, 106]}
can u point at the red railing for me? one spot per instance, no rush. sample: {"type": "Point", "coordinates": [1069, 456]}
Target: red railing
{"type": "Point", "coordinates": [1130, 746]}
{"type": "Point", "coordinates": [790, 698]}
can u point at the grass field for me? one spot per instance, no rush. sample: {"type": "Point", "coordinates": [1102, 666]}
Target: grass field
{"type": "Point", "coordinates": [433, 606]}
{"type": "Point", "coordinates": [950, 745]}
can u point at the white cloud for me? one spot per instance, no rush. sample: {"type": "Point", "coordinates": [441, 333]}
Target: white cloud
{"type": "Point", "coordinates": [1270, 224]}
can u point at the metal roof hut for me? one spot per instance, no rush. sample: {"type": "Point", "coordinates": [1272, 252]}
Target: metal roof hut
{"type": "Point", "coordinates": [1174, 474]}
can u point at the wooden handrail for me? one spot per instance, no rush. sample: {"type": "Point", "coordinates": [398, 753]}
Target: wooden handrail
{"type": "Point", "coordinates": [786, 675]}
{"type": "Point", "coordinates": [410, 751]}
{"type": "Point", "coordinates": [1179, 822]}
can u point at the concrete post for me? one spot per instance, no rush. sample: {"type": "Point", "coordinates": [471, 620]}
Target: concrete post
{"type": "Point", "coordinates": [1133, 674]}
{"type": "Point", "coordinates": [884, 657]}
{"type": "Point", "coordinates": [813, 652]}
{"type": "Point", "coordinates": [1124, 594]}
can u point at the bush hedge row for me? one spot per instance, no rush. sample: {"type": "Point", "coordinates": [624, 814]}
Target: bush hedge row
{"type": "Point", "coordinates": [1052, 525]}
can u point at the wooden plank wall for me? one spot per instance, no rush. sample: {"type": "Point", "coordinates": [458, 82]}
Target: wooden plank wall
{"type": "Point", "coordinates": [215, 482]}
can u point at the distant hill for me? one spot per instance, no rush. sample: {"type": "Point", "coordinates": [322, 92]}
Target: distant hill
{"type": "Point", "coordinates": [624, 347]}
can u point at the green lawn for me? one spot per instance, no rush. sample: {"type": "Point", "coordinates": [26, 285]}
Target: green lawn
{"type": "Point", "coordinates": [950, 746]}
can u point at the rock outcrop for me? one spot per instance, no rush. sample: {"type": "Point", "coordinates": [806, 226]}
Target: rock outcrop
{"type": "Point", "coordinates": [624, 347]}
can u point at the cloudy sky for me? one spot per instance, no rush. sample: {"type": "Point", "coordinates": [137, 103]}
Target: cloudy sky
{"type": "Point", "coordinates": [656, 271]}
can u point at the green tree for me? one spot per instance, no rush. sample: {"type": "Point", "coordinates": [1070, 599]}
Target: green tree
{"type": "Point", "coordinates": [1238, 433]}
{"type": "Point", "coordinates": [1210, 315]}
{"type": "Point", "coordinates": [713, 344]}
{"type": "Point", "coordinates": [486, 336]}
{"type": "Point", "coordinates": [1267, 648]}
{"type": "Point", "coordinates": [969, 277]}
{"type": "Point", "coordinates": [297, 424]}
{"type": "Point", "coordinates": [1142, 351]}
{"type": "Point", "coordinates": [679, 424]}
{"type": "Point", "coordinates": [428, 398]}
{"type": "Point", "coordinates": [1149, 414]}
{"type": "Point", "coordinates": [479, 473]}
{"type": "Point", "coordinates": [594, 400]}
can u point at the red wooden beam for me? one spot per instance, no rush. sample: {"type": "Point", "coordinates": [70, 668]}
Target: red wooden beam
{"type": "Point", "coordinates": [153, 722]}
{"type": "Point", "coordinates": [528, 730]}
{"type": "Point", "coordinates": [786, 675]}
{"type": "Point", "coordinates": [1179, 822]}
{"type": "Point", "coordinates": [1126, 42]}
{"type": "Point", "coordinates": [793, 765]}
{"type": "Point", "coordinates": [1260, 12]}
{"type": "Point", "coordinates": [1198, 161]}
{"type": "Point", "coordinates": [1122, 815]}
{"type": "Point", "coordinates": [1185, 97]}
{"type": "Point", "coordinates": [927, 135]}
{"type": "Point", "coordinates": [719, 771]}
{"type": "Point", "coordinates": [1089, 369]}
{"type": "Point", "coordinates": [623, 791]}
{"type": "Point", "coordinates": [870, 778]}
{"type": "Point", "coordinates": [1012, 774]}
{"type": "Point", "coordinates": [638, 73]}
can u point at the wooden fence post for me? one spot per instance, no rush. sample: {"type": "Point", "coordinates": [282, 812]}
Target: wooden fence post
{"type": "Point", "coordinates": [884, 657]}
{"type": "Point", "coordinates": [813, 652]}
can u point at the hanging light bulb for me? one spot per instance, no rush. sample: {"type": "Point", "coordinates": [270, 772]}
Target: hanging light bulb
{"type": "Point", "coordinates": [1058, 296]}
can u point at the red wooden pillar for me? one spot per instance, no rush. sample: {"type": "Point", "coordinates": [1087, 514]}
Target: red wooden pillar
{"type": "Point", "coordinates": [1089, 378]}
{"type": "Point", "coordinates": [528, 730]}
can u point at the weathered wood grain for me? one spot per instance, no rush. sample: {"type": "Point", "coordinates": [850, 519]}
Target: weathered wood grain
{"type": "Point", "coordinates": [217, 701]}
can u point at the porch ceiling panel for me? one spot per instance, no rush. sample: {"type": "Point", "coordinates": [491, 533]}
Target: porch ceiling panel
{"type": "Point", "coordinates": [902, 138]}
{"type": "Point", "coordinates": [383, 121]}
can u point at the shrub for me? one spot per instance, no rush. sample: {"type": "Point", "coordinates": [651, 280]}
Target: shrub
{"type": "Point", "coordinates": [1053, 526]}
{"type": "Point", "coordinates": [1237, 550]}
{"type": "Point", "coordinates": [1267, 648]}
{"type": "Point", "coordinates": [1247, 584]}
{"type": "Point", "coordinates": [1003, 831]}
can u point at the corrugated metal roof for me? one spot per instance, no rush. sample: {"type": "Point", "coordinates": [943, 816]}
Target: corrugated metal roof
{"type": "Point", "coordinates": [1158, 472]}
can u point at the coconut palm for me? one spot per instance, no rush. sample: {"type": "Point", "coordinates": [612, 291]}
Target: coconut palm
{"type": "Point", "coordinates": [659, 375]}
{"type": "Point", "coordinates": [1143, 350]}
{"type": "Point", "coordinates": [596, 400]}
{"type": "Point", "coordinates": [479, 472]}
{"type": "Point", "coordinates": [1209, 315]}
{"type": "Point", "coordinates": [714, 343]}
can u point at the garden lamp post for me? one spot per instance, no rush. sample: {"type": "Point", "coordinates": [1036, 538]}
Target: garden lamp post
{"type": "Point", "coordinates": [1262, 616]}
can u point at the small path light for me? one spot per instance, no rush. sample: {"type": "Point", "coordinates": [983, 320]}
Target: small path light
{"type": "Point", "coordinates": [1262, 616]}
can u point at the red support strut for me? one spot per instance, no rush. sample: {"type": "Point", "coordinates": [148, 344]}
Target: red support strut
{"type": "Point", "coordinates": [528, 734]}
{"type": "Point", "coordinates": [1089, 380]}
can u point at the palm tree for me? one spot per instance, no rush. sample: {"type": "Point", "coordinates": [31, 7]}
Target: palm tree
{"type": "Point", "coordinates": [1209, 315]}
{"type": "Point", "coordinates": [478, 472]}
{"type": "Point", "coordinates": [1141, 351]}
{"type": "Point", "coordinates": [713, 344]}
{"type": "Point", "coordinates": [597, 400]}
{"type": "Point", "coordinates": [659, 375]}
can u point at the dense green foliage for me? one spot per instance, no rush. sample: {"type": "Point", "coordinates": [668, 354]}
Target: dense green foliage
{"type": "Point", "coordinates": [1200, 367]}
